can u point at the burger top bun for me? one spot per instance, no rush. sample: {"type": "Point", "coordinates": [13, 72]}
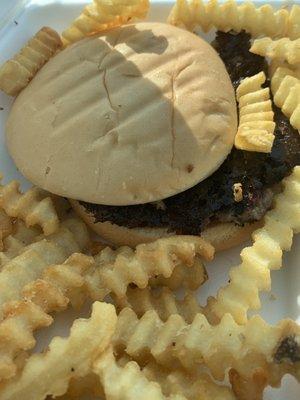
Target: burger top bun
{"type": "Point", "coordinates": [133, 116]}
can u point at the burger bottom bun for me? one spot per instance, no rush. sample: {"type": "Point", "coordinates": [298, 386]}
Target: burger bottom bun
{"type": "Point", "coordinates": [222, 236]}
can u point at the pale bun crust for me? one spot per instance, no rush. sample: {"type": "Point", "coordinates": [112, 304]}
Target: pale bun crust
{"type": "Point", "coordinates": [138, 114]}
{"type": "Point", "coordinates": [222, 236]}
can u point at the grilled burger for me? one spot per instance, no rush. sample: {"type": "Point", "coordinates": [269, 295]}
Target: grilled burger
{"type": "Point", "coordinates": [136, 127]}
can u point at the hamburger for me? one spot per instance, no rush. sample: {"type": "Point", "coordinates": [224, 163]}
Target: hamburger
{"type": "Point", "coordinates": [136, 128]}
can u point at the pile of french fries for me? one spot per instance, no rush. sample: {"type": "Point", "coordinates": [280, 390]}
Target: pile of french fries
{"type": "Point", "coordinates": [141, 340]}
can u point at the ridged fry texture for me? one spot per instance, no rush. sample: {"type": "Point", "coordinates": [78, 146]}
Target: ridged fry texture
{"type": "Point", "coordinates": [49, 373]}
{"type": "Point", "coordinates": [256, 346]}
{"type": "Point", "coordinates": [22, 316]}
{"type": "Point", "coordinates": [6, 227]}
{"type": "Point", "coordinates": [256, 123]}
{"type": "Point", "coordinates": [15, 74]}
{"type": "Point", "coordinates": [264, 20]}
{"type": "Point", "coordinates": [253, 274]}
{"type": "Point", "coordinates": [284, 49]}
{"type": "Point", "coordinates": [163, 302]}
{"type": "Point", "coordinates": [101, 15]}
{"type": "Point", "coordinates": [50, 288]}
{"type": "Point", "coordinates": [15, 243]}
{"type": "Point", "coordinates": [59, 285]}
{"type": "Point", "coordinates": [190, 278]}
{"type": "Point", "coordinates": [126, 266]}
{"type": "Point", "coordinates": [189, 385]}
{"type": "Point", "coordinates": [127, 382]}
{"type": "Point", "coordinates": [33, 207]}
{"type": "Point", "coordinates": [285, 85]}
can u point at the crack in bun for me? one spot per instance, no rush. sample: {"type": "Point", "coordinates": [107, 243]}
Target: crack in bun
{"type": "Point", "coordinates": [132, 116]}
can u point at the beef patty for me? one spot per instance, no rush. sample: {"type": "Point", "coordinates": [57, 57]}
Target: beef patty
{"type": "Point", "coordinates": [212, 200]}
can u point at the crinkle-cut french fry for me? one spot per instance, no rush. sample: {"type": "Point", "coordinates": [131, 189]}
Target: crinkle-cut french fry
{"type": "Point", "coordinates": [278, 71]}
{"type": "Point", "coordinates": [101, 15]}
{"type": "Point", "coordinates": [67, 279]}
{"type": "Point", "coordinates": [146, 261]}
{"type": "Point", "coordinates": [17, 241]}
{"type": "Point", "coordinates": [127, 382]}
{"type": "Point", "coordinates": [16, 73]}
{"type": "Point", "coordinates": [264, 20]}
{"type": "Point", "coordinates": [256, 128]}
{"type": "Point", "coordinates": [245, 348]}
{"type": "Point", "coordinates": [29, 265]}
{"type": "Point", "coordinates": [78, 229]}
{"type": "Point", "coordinates": [284, 48]}
{"type": "Point", "coordinates": [70, 282]}
{"type": "Point", "coordinates": [90, 385]}
{"type": "Point", "coordinates": [253, 274]}
{"type": "Point", "coordinates": [73, 235]}
{"type": "Point", "coordinates": [163, 302]}
{"type": "Point", "coordinates": [293, 30]}
{"type": "Point", "coordinates": [32, 207]}
{"type": "Point", "coordinates": [59, 285]}
{"type": "Point", "coordinates": [6, 227]}
{"type": "Point", "coordinates": [248, 389]}
{"type": "Point", "coordinates": [49, 373]}
{"type": "Point", "coordinates": [285, 85]}
{"type": "Point", "coordinates": [190, 278]}
{"type": "Point", "coordinates": [81, 388]}
{"type": "Point", "coordinates": [193, 386]}
{"type": "Point", "coordinates": [12, 331]}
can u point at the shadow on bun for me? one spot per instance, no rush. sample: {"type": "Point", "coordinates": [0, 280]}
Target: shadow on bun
{"type": "Point", "coordinates": [132, 116]}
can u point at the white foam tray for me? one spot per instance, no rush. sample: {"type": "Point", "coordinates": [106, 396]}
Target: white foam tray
{"type": "Point", "coordinates": [19, 20]}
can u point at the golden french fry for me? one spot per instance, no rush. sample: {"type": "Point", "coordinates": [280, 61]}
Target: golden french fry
{"type": "Point", "coordinates": [30, 264]}
{"type": "Point", "coordinates": [285, 85]}
{"type": "Point", "coordinates": [264, 20]}
{"type": "Point", "coordinates": [49, 373]}
{"type": "Point", "coordinates": [148, 260]}
{"type": "Point", "coordinates": [278, 72]}
{"type": "Point", "coordinates": [293, 28]}
{"type": "Point", "coordinates": [12, 336]}
{"type": "Point", "coordinates": [77, 279]}
{"type": "Point", "coordinates": [16, 73]}
{"type": "Point", "coordinates": [127, 382]}
{"type": "Point", "coordinates": [32, 207]}
{"type": "Point", "coordinates": [245, 348]}
{"type": "Point", "coordinates": [190, 385]}
{"type": "Point", "coordinates": [190, 278]}
{"type": "Point", "coordinates": [164, 303]}
{"type": "Point", "coordinates": [253, 274]}
{"type": "Point", "coordinates": [78, 228]}
{"type": "Point", "coordinates": [6, 227]}
{"type": "Point", "coordinates": [16, 242]}
{"type": "Point", "coordinates": [27, 267]}
{"type": "Point", "coordinates": [59, 285]}
{"type": "Point", "coordinates": [101, 15]}
{"type": "Point", "coordinates": [80, 388]}
{"type": "Point", "coordinates": [246, 389]}
{"type": "Point", "coordinates": [284, 49]}
{"type": "Point", "coordinates": [254, 134]}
